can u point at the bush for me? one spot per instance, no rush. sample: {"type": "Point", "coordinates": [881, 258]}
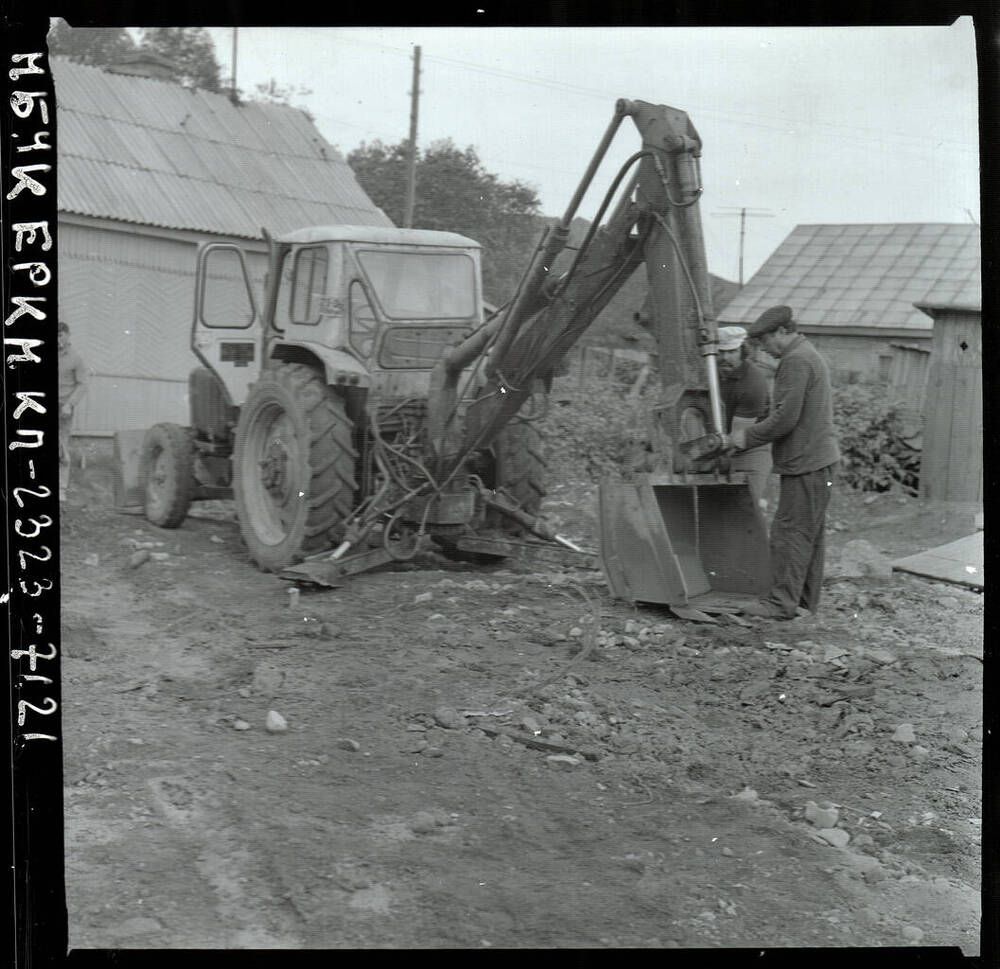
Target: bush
{"type": "Point", "coordinates": [592, 427]}
{"type": "Point", "coordinates": [873, 449]}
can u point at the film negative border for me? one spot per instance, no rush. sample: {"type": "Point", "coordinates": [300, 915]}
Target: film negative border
{"type": "Point", "coordinates": [31, 488]}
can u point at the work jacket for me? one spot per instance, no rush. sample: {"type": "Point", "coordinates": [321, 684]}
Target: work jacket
{"type": "Point", "coordinates": [800, 426]}
{"type": "Point", "coordinates": [745, 400]}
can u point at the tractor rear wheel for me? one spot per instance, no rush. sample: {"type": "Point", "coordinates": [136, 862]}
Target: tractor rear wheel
{"type": "Point", "coordinates": [293, 466]}
{"type": "Point", "coordinates": [168, 466]}
{"type": "Point", "coordinates": [520, 470]}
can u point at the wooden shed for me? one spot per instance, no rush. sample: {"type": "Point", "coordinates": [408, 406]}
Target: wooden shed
{"type": "Point", "coordinates": [148, 170]}
{"type": "Point", "coordinates": [952, 464]}
{"type": "Point", "coordinates": [908, 372]}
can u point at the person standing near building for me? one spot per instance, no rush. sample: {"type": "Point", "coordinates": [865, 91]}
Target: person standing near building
{"type": "Point", "coordinates": [745, 402]}
{"type": "Point", "coordinates": [73, 377]}
{"type": "Point", "coordinates": [800, 427]}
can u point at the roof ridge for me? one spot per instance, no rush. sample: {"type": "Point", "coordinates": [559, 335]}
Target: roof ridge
{"type": "Point", "coordinates": [103, 69]}
{"type": "Point", "coordinates": [193, 91]}
{"type": "Point", "coordinates": [813, 225]}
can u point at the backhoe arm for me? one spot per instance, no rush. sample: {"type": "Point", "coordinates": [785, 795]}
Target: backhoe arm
{"type": "Point", "coordinates": [656, 221]}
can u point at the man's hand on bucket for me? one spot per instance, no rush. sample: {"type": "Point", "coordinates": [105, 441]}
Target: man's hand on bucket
{"type": "Point", "coordinates": [738, 439]}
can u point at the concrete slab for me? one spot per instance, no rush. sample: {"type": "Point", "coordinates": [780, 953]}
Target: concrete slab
{"type": "Point", "coordinates": [959, 562]}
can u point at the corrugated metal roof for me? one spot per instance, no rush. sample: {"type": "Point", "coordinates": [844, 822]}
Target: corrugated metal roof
{"type": "Point", "coordinates": [864, 275]}
{"type": "Point", "coordinates": [142, 150]}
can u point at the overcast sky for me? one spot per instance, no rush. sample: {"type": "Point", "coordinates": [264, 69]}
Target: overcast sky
{"type": "Point", "coordinates": [801, 125]}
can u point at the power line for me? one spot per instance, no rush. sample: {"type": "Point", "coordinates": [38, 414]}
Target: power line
{"type": "Point", "coordinates": [880, 140]}
{"type": "Point", "coordinates": [881, 145]}
{"type": "Point", "coordinates": [853, 141]}
{"type": "Point", "coordinates": [911, 151]}
{"type": "Point", "coordinates": [742, 118]}
{"type": "Point", "coordinates": [743, 213]}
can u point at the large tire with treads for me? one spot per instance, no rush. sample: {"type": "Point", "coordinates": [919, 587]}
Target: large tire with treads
{"type": "Point", "coordinates": [167, 464]}
{"type": "Point", "coordinates": [520, 469]}
{"type": "Point", "coordinates": [293, 466]}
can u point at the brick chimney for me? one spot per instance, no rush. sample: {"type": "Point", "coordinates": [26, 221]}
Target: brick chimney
{"type": "Point", "coordinates": [145, 63]}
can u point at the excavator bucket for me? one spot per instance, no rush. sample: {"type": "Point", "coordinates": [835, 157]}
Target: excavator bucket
{"type": "Point", "coordinates": [669, 540]}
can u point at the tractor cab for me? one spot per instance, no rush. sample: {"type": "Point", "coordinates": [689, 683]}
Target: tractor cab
{"type": "Point", "coordinates": [369, 306]}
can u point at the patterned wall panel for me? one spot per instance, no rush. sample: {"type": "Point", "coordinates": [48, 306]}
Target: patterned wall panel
{"type": "Point", "coordinates": [123, 404]}
{"type": "Point", "coordinates": [129, 301]}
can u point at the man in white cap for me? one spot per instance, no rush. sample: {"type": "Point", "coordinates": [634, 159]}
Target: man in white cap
{"type": "Point", "coordinates": [745, 401]}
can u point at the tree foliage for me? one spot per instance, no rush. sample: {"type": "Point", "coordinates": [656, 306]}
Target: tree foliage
{"type": "Point", "coordinates": [876, 454]}
{"type": "Point", "coordinates": [190, 48]}
{"type": "Point", "coordinates": [99, 46]}
{"type": "Point", "coordinates": [274, 93]}
{"type": "Point", "coordinates": [455, 193]}
{"type": "Point", "coordinates": [594, 427]}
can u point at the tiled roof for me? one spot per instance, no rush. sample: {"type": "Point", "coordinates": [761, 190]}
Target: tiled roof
{"type": "Point", "coordinates": [148, 151]}
{"type": "Point", "coordinates": [948, 294]}
{"type": "Point", "coordinates": [865, 275]}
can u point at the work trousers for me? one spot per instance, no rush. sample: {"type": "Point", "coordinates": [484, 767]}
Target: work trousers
{"type": "Point", "coordinates": [65, 432]}
{"type": "Point", "coordinates": [798, 543]}
{"type": "Point", "coordinates": [757, 482]}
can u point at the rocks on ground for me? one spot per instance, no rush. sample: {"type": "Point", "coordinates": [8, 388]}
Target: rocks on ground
{"type": "Point", "coordinates": [563, 761]}
{"type": "Point", "coordinates": [821, 817]}
{"type": "Point", "coordinates": [861, 560]}
{"type": "Point", "coordinates": [428, 822]}
{"type": "Point", "coordinates": [449, 718]}
{"type": "Point", "coordinates": [837, 837]}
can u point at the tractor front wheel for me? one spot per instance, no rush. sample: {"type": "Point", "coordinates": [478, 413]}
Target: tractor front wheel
{"type": "Point", "coordinates": [168, 467]}
{"type": "Point", "coordinates": [293, 466]}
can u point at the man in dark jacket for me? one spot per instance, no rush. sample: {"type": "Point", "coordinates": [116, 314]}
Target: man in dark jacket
{"type": "Point", "coordinates": [805, 454]}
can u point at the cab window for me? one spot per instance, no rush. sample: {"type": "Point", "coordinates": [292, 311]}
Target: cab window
{"type": "Point", "coordinates": [309, 284]}
{"type": "Point", "coordinates": [421, 285]}
{"type": "Point", "coordinates": [282, 304]}
{"type": "Point", "coordinates": [361, 325]}
{"type": "Point", "coordinates": [226, 295]}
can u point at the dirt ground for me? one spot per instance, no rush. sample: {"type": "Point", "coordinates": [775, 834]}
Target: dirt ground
{"type": "Point", "coordinates": [404, 805]}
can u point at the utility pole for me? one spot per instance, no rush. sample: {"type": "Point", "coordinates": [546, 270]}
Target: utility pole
{"type": "Point", "coordinates": [411, 168]}
{"type": "Point", "coordinates": [232, 83]}
{"type": "Point", "coordinates": [743, 213]}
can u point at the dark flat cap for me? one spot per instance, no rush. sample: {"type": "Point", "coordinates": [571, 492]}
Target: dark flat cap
{"type": "Point", "coordinates": [770, 320]}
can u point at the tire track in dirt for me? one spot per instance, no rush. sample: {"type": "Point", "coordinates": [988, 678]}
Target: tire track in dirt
{"type": "Point", "coordinates": [249, 914]}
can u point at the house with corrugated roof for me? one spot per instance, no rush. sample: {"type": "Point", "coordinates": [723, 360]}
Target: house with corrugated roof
{"type": "Point", "coordinates": [147, 171]}
{"type": "Point", "coordinates": [853, 289]}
